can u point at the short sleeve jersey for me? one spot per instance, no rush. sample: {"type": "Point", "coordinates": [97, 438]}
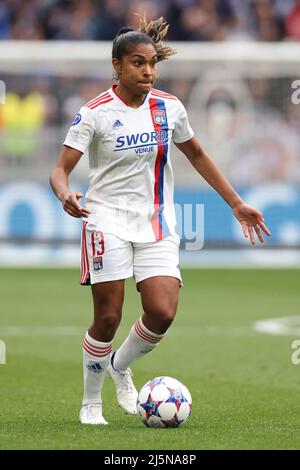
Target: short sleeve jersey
{"type": "Point", "coordinates": [131, 179]}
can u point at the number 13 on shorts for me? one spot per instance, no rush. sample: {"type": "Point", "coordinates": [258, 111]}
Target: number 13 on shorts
{"type": "Point", "coordinates": [97, 242]}
{"type": "Point", "coordinates": [97, 248]}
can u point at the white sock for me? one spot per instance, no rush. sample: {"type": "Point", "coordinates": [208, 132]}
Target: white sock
{"type": "Point", "coordinates": [139, 342]}
{"type": "Point", "coordinates": [95, 360]}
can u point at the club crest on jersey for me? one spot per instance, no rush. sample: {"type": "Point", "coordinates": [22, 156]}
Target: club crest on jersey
{"type": "Point", "coordinates": [97, 263]}
{"type": "Point", "coordinates": [159, 116]}
{"type": "Point", "coordinates": [76, 120]}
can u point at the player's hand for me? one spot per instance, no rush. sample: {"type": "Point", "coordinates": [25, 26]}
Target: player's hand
{"type": "Point", "coordinates": [251, 220]}
{"type": "Point", "coordinates": [71, 205]}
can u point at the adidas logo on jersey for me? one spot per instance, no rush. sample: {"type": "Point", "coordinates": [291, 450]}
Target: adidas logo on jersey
{"type": "Point", "coordinates": [118, 123]}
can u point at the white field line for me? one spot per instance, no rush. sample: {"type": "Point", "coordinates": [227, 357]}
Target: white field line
{"type": "Point", "coordinates": [177, 331]}
{"type": "Point", "coordinates": [285, 326]}
{"type": "Point", "coordinates": [11, 330]}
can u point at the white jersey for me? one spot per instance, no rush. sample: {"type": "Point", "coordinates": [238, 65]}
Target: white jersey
{"type": "Point", "coordinates": [131, 179]}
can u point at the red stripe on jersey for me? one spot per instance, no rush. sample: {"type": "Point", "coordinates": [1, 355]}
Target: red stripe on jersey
{"type": "Point", "coordinates": [162, 94]}
{"type": "Point", "coordinates": [84, 256]}
{"type": "Point", "coordinates": [98, 103]}
{"type": "Point", "coordinates": [103, 95]}
{"type": "Point", "coordinates": [120, 98]}
{"type": "Point", "coordinates": [100, 98]}
{"type": "Point", "coordinates": [155, 90]}
{"type": "Point", "coordinates": [156, 226]}
{"type": "Point", "coordinates": [145, 336]}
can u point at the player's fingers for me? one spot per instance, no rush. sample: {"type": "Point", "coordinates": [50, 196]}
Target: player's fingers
{"type": "Point", "coordinates": [78, 211]}
{"type": "Point", "coordinates": [74, 201]}
{"type": "Point", "coordinates": [258, 233]}
{"type": "Point", "coordinates": [264, 228]}
{"type": "Point", "coordinates": [85, 212]}
{"type": "Point", "coordinates": [71, 208]}
{"type": "Point", "coordinates": [72, 212]}
{"type": "Point", "coordinates": [245, 229]}
{"type": "Point", "coordinates": [251, 235]}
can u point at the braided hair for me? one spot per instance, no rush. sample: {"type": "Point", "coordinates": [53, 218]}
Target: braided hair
{"type": "Point", "coordinates": [152, 32]}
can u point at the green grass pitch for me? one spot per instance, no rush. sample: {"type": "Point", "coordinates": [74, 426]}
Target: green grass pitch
{"type": "Point", "coordinates": [245, 389]}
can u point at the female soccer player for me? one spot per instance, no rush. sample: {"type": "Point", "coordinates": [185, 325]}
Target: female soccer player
{"type": "Point", "coordinates": [129, 218]}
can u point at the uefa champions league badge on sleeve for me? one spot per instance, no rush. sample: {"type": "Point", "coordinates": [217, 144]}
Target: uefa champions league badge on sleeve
{"type": "Point", "coordinates": [77, 119]}
{"type": "Point", "coordinates": [97, 263]}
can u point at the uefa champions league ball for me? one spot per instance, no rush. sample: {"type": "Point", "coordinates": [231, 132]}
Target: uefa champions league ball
{"type": "Point", "coordinates": [164, 402]}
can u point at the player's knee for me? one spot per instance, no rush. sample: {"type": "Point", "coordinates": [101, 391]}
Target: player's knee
{"type": "Point", "coordinates": [108, 320]}
{"type": "Point", "coordinates": [163, 317]}
{"type": "Point", "coordinates": [167, 319]}
{"type": "Point", "coordinates": [111, 319]}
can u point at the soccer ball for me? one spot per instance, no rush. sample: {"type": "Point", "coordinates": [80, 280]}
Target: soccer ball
{"type": "Point", "coordinates": [164, 402]}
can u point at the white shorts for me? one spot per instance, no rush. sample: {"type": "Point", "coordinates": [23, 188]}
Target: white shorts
{"type": "Point", "coordinates": [105, 257]}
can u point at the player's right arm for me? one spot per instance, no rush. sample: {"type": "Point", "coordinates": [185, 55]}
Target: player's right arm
{"type": "Point", "coordinates": [67, 160]}
{"type": "Point", "coordinates": [75, 145]}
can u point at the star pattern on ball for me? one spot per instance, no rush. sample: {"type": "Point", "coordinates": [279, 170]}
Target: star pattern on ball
{"type": "Point", "coordinates": [176, 397]}
{"type": "Point", "coordinates": [172, 423]}
{"type": "Point", "coordinates": [151, 406]}
{"type": "Point", "coordinates": [165, 403]}
{"type": "Point", "coordinates": [155, 382]}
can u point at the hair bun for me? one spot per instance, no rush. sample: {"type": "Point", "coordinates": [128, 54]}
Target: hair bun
{"type": "Point", "coordinates": [124, 29]}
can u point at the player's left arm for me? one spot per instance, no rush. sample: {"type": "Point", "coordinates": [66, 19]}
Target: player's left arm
{"type": "Point", "coordinates": [249, 217]}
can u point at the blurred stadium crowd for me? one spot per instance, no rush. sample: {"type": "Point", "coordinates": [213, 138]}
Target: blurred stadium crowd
{"type": "Point", "coordinates": [253, 133]}
{"type": "Point", "coordinates": [241, 110]}
{"type": "Point", "coordinates": [191, 20]}
{"type": "Point", "coordinates": [251, 128]}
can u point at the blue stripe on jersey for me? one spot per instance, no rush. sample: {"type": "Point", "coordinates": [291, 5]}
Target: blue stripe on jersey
{"type": "Point", "coordinates": [164, 126]}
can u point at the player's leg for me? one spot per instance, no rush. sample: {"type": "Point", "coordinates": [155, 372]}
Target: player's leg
{"type": "Point", "coordinates": [159, 297]}
{"type": "Point", "coordinates": [158, 278]}
{"type": "Point", "coordinates": [101, 267]}
{"type": "Point", "coordinates": [125, 389]}
{"type": "Point", "coordinates": [97, 346]}
{"type": "Point", "coordinates": [108, 298]}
